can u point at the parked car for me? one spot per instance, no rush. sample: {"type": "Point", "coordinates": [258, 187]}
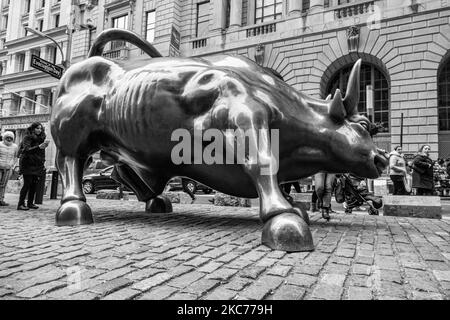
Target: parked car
{"type": "Point", "coordinates": [100, 180]}
{"type": "Point", "coordinates": [179, 183]}
{"type": "Point", "coordinates": [95, 167]}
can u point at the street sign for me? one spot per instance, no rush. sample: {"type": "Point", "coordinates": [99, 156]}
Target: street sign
{"type": "Point", "coordinates": [46, 66]}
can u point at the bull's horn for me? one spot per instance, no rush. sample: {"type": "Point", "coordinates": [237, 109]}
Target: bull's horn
{"type": "Point", "coordinates": [337, 110]}
{"type": "Point", "coordinates": [328, 97]}
{"type": "Point", "coordinates": [351, 99]}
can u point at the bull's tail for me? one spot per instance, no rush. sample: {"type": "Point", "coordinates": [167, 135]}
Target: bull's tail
{"type": "Point", "coordinates": [114, 34]}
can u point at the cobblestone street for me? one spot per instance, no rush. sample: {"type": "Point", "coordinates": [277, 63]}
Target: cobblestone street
{"type": "Point", "coordinates": [207, 252]}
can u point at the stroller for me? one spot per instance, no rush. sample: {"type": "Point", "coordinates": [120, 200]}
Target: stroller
{"type": "Point", "coordinates": [349, 190]}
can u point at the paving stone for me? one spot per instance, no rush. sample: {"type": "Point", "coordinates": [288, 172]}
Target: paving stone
{"type": "Point", "coordinates": [442, 275]}
{"type": "Point", "coordinates": [108, 287]}
{"type": "Point", "coordinates": [358, 293]}
{"type": "Point", "coordinates": [158, 293]}
{"type": "Point", "coordinates": [281, 271]}
{"type": "Point", "coordinates": [222, 274]}
{"type": "Point", "coordinates": [261, 288]}
{"type": "Point", "coordinates": [220, 294]}
{"type": "Point", "coordinates": [151, 282]}
{"type": "Point", "coordinates": [288, 292]}
{"type": "Point", "coordinates": [40, 289]}
{"type": "Point", "coordinates": [123, 294]}
{"type": "Point", "coordinates": [327, 292]}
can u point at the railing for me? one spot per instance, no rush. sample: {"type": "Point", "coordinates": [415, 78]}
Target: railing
{"type": "Point", "coordinates": [199, 43]}
{"type": "Point", "coordinates": [121, 53]}
{"type": "Point", "coordinates": [263, 29]}
{"type": "Point", "coordinates": [354, 9]}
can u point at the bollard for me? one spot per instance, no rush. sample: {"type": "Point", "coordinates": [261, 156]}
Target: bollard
{"type": "Point", "coordinates": [39, 197]}
{"type": "Point", "coordinates": [54, 186]}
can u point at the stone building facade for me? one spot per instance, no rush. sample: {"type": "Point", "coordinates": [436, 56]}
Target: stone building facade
{"type": "Point", "coordinates": [404, 45]}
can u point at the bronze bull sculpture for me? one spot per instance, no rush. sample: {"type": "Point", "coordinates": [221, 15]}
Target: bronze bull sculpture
{"type": "Point", "coordinates": [131, 116]}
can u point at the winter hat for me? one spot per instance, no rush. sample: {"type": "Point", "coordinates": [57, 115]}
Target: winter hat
{"type": "Point", "coordinates": [8, 134]}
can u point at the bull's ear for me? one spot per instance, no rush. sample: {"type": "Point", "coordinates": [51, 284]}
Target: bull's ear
{"type": "Point", "coordinates": [337, 110]}
{"type": "Point", "coordinates": [351, 99]}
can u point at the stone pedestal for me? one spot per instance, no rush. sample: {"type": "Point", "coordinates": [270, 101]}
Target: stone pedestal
{"type": "Point", "coordinates": [413, 206]}
{"type": "Point", "coordinates": [221, 199]}
{"type": "Point", "coordinates": [111, 194]}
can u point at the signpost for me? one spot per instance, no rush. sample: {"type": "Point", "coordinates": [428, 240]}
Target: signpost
{"type": "Point", "coordinates": [46, 66]}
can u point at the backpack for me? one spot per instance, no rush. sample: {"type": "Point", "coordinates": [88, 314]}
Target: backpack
{"type": "Point", "coordinates": [339, 192]}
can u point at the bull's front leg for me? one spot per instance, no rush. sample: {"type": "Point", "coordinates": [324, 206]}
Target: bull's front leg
{"type": "Point", "coordinates": [285, 227]}
{"type": "Point", "coordinates": [73, 209]}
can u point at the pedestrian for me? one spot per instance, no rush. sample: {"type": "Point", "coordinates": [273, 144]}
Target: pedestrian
{"type": "Point", "coordinates": [324, 183]}
{"type": "Point", "coordinates": [397, 170]}
{"type": "Point", "coordinates": [423, 171]}
{"type": "Point", "coordinates": [8, 158]}
{"type": "Point", "coordinates": [32, 164]}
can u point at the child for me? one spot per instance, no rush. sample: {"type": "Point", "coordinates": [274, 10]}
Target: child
{"type": "Point", "coordinates": [8, 158]}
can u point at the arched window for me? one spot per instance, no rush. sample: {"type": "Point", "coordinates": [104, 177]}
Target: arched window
{"type": "Point", "coordinates": [373, 82]}
{"type": "Point", "coordinates": [444, 97]}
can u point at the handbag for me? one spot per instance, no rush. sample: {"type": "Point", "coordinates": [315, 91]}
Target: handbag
{"type": "Point", "coordinates": [407, 181]}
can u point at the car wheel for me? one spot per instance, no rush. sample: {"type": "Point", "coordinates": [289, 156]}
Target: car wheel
{"type": "Point", "coordinates": [190, 185]}
{"type": "Point", "coordinates": [88, 187]}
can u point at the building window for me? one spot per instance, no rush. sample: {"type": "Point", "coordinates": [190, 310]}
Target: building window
{"type": "Point", "coordinates": [121, 23]}
{"type": "Point", "coordinates": [40, 24]}
{"type": "Point", "coordinates": [268, 10]}
{"type": "Point", "coordinates": [20, 62]}
{"type": "Point", "coordinates": [42, 2]}
{"type": "Point", "coordinates": [305, 5]}
{"type": "Point", "coordinates": [444, 97]}
{"type": "Point", "coordinates": [202, 19]}
{"type": "Point", "coordinates": [372, 80]}
{"type": "Point", "coordinates": [56, 20]}
{"type": "Point", "coordinates": [24, 30]}
{"type": "Point", "coordinates": [27, 6]}
{"type": "Point", "coordinates": [5, 22]}
{"type": "Point", "coordinates": [150, 29]}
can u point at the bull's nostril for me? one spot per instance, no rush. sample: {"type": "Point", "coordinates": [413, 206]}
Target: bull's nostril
{"type": "Point", "coordinates": [380, 161]}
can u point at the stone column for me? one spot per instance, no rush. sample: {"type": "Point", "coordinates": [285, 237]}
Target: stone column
{"type": "Point", "coordinates": [43, 54]}
{"type": "Point", "coordinates": [235, 13]}
{"type": "Point", "coordinates": [23, 104]}
{"type": "Point", "coordinates": [40, 98]}
{"type": "Point", "coordinates": [12, 64]}
{"type": "Point", "coordinates": [294, 7]}
{"type": "Point", "coordinates": [218, 15]}
{"type": "Point", "coordinates": [316, 5]}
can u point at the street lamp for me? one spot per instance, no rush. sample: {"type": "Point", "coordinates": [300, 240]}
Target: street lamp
{"type": "Point", "coordinates": [64, 62]}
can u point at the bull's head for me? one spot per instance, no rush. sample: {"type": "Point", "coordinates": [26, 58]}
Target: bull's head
{"type": "Point", "coordinates": [346, 143]}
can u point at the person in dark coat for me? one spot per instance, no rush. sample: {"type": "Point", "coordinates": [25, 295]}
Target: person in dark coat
{"type": "Point", "coordinates": [423, 172]}
{"type": "Point", "coordinates": [32, 164]}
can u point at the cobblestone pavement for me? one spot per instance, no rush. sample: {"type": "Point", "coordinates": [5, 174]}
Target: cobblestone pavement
{"type": "Point", "coordinates": [207, 252]}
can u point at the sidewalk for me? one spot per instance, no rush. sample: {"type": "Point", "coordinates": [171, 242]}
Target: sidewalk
{"type": "Point", "coordinates": [207, 252]}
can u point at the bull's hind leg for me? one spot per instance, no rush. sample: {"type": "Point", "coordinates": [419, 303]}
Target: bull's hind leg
{"type": "Point", "coordinates": [284, 226]}
{"type": "Point", "coordinates": [73, 209]}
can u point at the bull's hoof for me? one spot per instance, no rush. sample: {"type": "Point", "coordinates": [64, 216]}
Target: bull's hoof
{"type": "Point", "coordinates": [160, 204]}
{"type": "Point", "coordinates": [74, 213]}
{"type": "Point", "coordinates": [287, 232]}
{"type": "Point", "coordinates": [303, 212]}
